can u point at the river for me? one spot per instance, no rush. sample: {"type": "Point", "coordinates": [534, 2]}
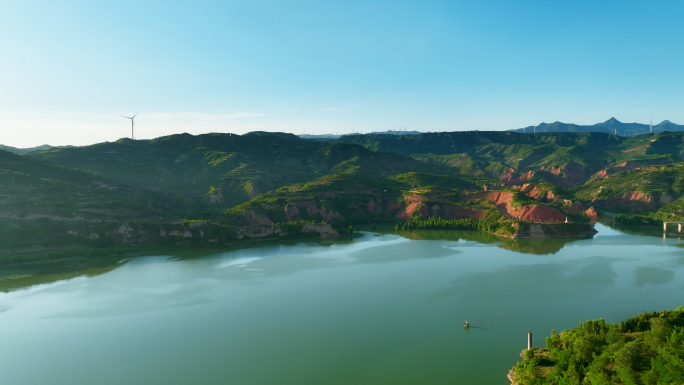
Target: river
{"type": "Point", "coordinates": [381, 309]}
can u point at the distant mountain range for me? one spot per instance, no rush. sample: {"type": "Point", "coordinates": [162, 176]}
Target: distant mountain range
{"type": "Point", "coordinates": [610, 126]}
{"type": "Point", "coordinates": [22, 151]}
{"type": "Point", "coordinates": [334, 136]}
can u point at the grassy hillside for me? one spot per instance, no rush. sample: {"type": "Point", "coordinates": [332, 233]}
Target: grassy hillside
{"type": "Point", "coordinates": [642, 189]}
{"type": "Point", "coordinates": [185, 176]}
{"type": "Point", "coordinates": [500, 154]}
{"type": "Point", "coordinates": [261, 179]}
{"type": "Point", "coordinates": [33, 189]}
{"type": "Point", "coordinates": [22, 151]}
{"type": "Point", "coordinates": [205, 172]}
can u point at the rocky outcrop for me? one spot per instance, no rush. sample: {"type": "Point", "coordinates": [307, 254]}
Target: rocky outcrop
{"type": "Point", "coordinates": [292, 213]}
{"type": "Point", "coordinates": [259, 232]}
{"type": "Point", "coordinates": [456, 212]}
{"type": "Point", "coordinates": [632, 201]}
{"type": "Point", "coordinates": [410, 210]}
{"type": "Point", "coordinates": [626, 166]}
{"type": "Point", "coordinates": [536, 213]}
{"type": "Point", "coordinates": [214, 196]}
{"type": "Point", "coordinates": [423, 207]}
{"type": "Point", "coordinates": [637, 148]}
{"type": "Point", "coordinates": [574, 207]}
{"type": "Point", "coordinates": [592, 214]}
{"type": "Point", "coordinates": [665, 200]}
{"type": "Point", "coordinates": [253, 192]}
{"type": "Point", "coordinates": [323, 213]}
{"type": "Point", "coordinates": [178, 233]}
{"type": "Point", "coordinates": [637, 196]}
{"type": "Point", "coordinates": [568, 175]}
{"type": "Point", "coordinates": [374, 207]}
{"type": "Point", "coordinates": [325, 230]}
{"type": "Point", "coordinates": [531, 213]}
{"type": "Point", "coordinates": [251, 218]}
{"type": "Point", "coordinates": [498, 197]}
{"type": "Point", "coordinates": [509, 176]}
{"type": "Point", "coordinates": [540, 193]}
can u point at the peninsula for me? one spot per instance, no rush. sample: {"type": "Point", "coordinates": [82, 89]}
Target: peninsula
{"type": "Point", "coordinates": [646, 349]}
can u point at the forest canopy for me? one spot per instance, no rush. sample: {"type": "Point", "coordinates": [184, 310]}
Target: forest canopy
{"type": "Point", "coordinates": [647, 349]}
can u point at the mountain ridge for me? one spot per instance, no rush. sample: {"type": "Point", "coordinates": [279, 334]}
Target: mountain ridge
{"type": "Point", "coordinates": [610, 126]}
{"type": "Point", "coordinates": [220, 188]}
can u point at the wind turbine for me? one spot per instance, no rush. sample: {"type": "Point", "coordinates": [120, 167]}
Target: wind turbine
{"type": "Point", "coordinates": [132, 123]}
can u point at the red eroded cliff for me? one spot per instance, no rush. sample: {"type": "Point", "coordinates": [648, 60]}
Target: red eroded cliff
{"type": "Point", "coordinates": [531, 213]}
{"type": "Point", "coordinates": [637, 196]}
{"type": "Point", "coordinates": [537, 213]}
{"type": "Point", "coordinates": [509, 177]}
{"type": "Point", "coordinates": [540, 192]}
{"type": "Point", "coordinates": [498, 197]}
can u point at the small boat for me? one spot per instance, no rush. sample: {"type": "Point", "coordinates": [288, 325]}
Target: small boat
{"type": "Point", "coordinates": [466, 324]}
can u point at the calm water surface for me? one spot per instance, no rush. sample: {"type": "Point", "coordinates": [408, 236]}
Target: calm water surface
{"type": "Point", "coordinates": [384, 309]}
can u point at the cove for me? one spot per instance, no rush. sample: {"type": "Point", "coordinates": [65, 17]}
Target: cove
{"type": "Point", "coordinates": [381, 309]}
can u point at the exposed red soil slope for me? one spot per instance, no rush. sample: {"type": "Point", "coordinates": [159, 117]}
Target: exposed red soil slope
{"type": "Point", "coordinates": [572, 174]}
{"type": "Point", "coordinates": [625, 166]}
{"type": "Point", "coordinates": [538, 192]}
{"type": "Point", "coordinates": [509, 177]}
{"type": "Point", "coordinates": [409, 210]}
{"type": "Point", "coordinates": [637, 148]}
{"type": "Point", "coordinates": [292, 213]}
{"type": "Point", "coordinates": [250, 218]}
{"type": "Point", "coordinates": [637, 196]}
{"type": "Point", "coordinates": [632, 200]}
{"type": "Point", "coordinates": [532, 213]}
{"type": "Point", "coordinates": [537, 213]}
{"type": "Point", "coordinates": [592, 214]}
{"type": "Point", "coordinates": [498, 197]}
{"type": "Point", "coordinates": [417, 207]}
{"type": "Point", "coordinates": [327, 215]}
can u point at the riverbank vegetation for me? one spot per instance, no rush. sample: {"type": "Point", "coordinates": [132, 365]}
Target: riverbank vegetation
{"type": "Point", "coordinates": [505, 228]}
{"type": "Point", "coordinates": [644, 350]}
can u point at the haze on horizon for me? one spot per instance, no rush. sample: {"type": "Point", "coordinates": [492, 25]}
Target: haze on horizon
{"type": "Point", "coordinates": [71, 68]}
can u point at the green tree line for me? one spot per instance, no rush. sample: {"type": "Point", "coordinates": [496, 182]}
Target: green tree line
{"type": "Point", "coordinates": [449, 224]}
{"type": "Point", "coordinates": [643, 350]}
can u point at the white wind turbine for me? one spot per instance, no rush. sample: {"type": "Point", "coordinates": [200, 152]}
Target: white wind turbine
{"type": "Point", "coordinates": [132, 123]}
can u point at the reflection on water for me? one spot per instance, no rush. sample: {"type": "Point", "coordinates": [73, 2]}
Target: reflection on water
{"type": "Point", "coordinates": [15, 283]}
{"type": "Point", "coordinates": [537, 246]}
{"type": "Point", "coordinates": [652, 276]}
{"type": "Point", "coordinates": [378, 309]}
{"type": "Point", "coordinates": [253, 252]}
{"type": "Point", "coordinates": [530, 246]}
{"type": "Point", "coordinates": [636, 230]}
{"type": "Point", "coordinates": [450, 235]}
{"type": "Point", "coordinates": [504, 286]}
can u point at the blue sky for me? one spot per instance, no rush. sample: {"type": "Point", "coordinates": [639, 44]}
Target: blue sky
{"type": "Point", "coordinates": [68, 69]}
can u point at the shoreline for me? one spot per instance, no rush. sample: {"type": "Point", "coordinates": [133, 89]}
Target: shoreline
{"type": "Point", "coordinates": [25, 265]}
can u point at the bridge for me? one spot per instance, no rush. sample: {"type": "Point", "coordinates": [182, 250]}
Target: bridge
{"type": "Point", "coordinates": [679, 226]}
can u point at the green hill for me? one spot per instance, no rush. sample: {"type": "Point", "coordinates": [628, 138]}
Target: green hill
{"type": "Point", "coordinates": [34, 189]}
{"type": "Point", "coordinates": [566, 158]}
{"type": "Point", "coordinates": [647, 349]}
{"type": "Point", "coordinates": [198, 174]}
{"type": "Point", "coordinates": [223, 183]}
